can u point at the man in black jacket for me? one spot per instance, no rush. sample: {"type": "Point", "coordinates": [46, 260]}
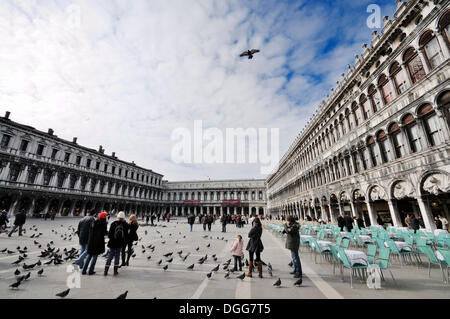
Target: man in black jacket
{"type": "Point", "coordinates": [340, 221]}
{"type": "Point", "coordinates": [291, 228]}
{"type": "Point", "coordinates": [348, 222]}
{"type": "Point", "coordinates": [191, 220]}
{"type": "Point", "coordinates": [83, 236]}
{"type": "Point", "coordinates": [21, 217]}
{"type": "Point", "coordinates": [223, 221]}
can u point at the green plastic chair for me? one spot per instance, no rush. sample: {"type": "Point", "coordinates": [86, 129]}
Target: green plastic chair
{"type": "Point", "coordinates": [338, 241]}
{"type": "Point", "coordinates": [446, 254]}
{"type": "Point", "coordinates": [383, 262]}
{"type": "Point", "coordinates": [336, 259]}
{"type": "Point", "coordinates": [400, 254]}
{"type": "Point", "coordinates": [346, 264]}
{"type": "Point", "coordinates": [371, 253]}
{"type": "Point", "coordinates": [432, 259]}
{"type": "Point", "coordinates": [345, 243]}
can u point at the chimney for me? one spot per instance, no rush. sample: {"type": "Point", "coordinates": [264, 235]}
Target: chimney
{"type": "Point", "coordinates": [75, 140]}
{"type": "Point", "coordinates": [7, 115]}
{"type": "Point", "coordinates": [50, 131]}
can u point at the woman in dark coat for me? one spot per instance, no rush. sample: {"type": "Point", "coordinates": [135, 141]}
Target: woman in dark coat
{"type": "Point", "coordinates": [255, 246]}
{"type": "Point", "coordinates": [133, 226]}
{"type": "Point", "coordinates": [96, 242]}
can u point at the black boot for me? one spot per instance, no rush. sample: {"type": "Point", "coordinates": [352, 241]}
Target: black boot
{"type": "Point", "coordinates": [106, 271]}
{"type": "Point", "coordinates": [115, 270]}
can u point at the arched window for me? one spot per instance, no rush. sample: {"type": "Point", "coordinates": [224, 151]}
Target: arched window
{"type": "Point", "coordinates": [341, 121]}
{"type": "Point", "coordinates": [399, 77]}
{"type": "Point", "coordinates": [432, 49]}
{"type": "Point", "coordinates": [333, 138]}
{"type": "Point", "coordinates": [383, 142]}
{"type": "Point", "coordinates": [431, 124]}
{"type": "Point", "coordinates": [444, 26]}
{"type": "Point", "coordinates": [350, 123]}
{"type": "Point", "coordinates": [371, 145]}
{"type": "Point", "coordinates": [367, 109]}
{"type": "Point", "coordinates": [356, 113]}
{"type": "Point", "coordinates": [443, 103]}
{"type": "Point", "coordinates": [397, 140]}
{"type": "Point", "coordinates": [415, 66]}
{"type": "Point", "coordinates": [413, 132]}
{"type": "Point", "coordinates": [375, 99]}
{"type": "Point", "coordinates": [336, 126]}
{"type": "Point", "coordinates": [386, 89]}
{"type": "Point", "coordinates": [356, 162]}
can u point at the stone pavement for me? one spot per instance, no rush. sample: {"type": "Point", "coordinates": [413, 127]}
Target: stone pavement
{"type": "Point", "coordinates": [146, 279]}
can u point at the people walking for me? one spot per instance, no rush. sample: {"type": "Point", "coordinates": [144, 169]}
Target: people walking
{"type": "Point", "coordinates": [152, 219]}
{"type": "Point", "coordinates": [204, 222]}
{"type": "Point", "coordinates": [291, 228]}
{"type": "Point", "coordinates": [340, 221]}
{"type": "Point", "coordinates": [3, 221]}
{"type": "Point", "coordinates": [209, 221]}
{"type": "Point", "coordinates": [438, 222]}
{"type": "Point", "coordinates": [83, 236]}
{"type": "Point", "coordinates": [96, 242]}
{"type": "Point", "coordinates": [117, 239]}
{"type": "Point", "coordinates": [132, 236]}
{"type": "Point", "coordinates": [19, 221]}
{"type": "Point", "coordinates": [348, 222]}
{"type": "Point", "coordinates": [255, 247]}
{"type": "Point", "coordinates": [237, 252]}
{"type": "Point", "coordinates": [191, 221]}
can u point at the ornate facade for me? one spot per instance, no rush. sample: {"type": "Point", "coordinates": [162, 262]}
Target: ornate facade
{"type": "Point", "coordinates": [379, 145]}
{"type": "Point", "coordinates": [246, 197]}
{"type": "Point", "coordinates": [40, 172]}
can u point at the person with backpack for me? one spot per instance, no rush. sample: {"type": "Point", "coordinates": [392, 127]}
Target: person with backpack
{"type": "Point", "coordinates": [191, 220]}
{"type": "Point", "coordinates": [117, 239]}
{"type": "Point", "coordinates": [133, 226]}
{"type": "Point", "coordinates": [96, 242]}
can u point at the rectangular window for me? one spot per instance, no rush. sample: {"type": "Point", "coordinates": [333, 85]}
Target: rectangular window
{"type": "Point", "coordinates": [399, 145]}
{"type": "Point", "coordinates": [67, 157]}
{"type": "Point", "coordinates": [5, 141]}
{"type": "Point", "coordinates": [24, 145]}
{"type": "Point", "coordinates": [97, 165]}
{"type": "Point", "coordinates": [113, 170]}
{"type": "Point", "coordinates": [414, 134]}
{"type": "Point", "coordinates": [40, 150]}
{"type": "Point", "coordinates": [78, 160]}
{"type": "Point", "coordinates": [434, 131]}
{"type": "Point", "coordinates": [54, 153]}
{"type": "Point", "coordinates": [106, 168]}
{"type": "Point", "coordinates": [387, 92]}
{"type": "Point", "coordinates": [400, 81]}
{"type": "Point", "coordinates": [88, 163]}
{"type": "Point", "coordinates": [416, 69]}
{"type": "Point", "coordinates": [120, 172]}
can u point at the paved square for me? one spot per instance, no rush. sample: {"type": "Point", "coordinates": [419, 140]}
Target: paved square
{"type": "Point", "coordinates": [146, 279]}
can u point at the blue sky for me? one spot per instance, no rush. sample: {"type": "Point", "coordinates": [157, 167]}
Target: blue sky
{"type": "Point", "coordinates": [125, 74]}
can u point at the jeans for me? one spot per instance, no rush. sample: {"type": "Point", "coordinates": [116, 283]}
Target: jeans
{"type": "Point", "coordinates": [130, 251]}
{"type": "Point", "coordinates": [237, 262]}
{"type": "Point", "coordinates": [90, 259]}
{"type": "Point", "coordinates": [224, 228]}
{"type": "Point", "coordinates": [296, 262]}
{"type": "Point", "coordinates": [83, 253]}
{"type": "Point", "coordinates": [209, 226]}
{"type": "Point", "coordinates": [190, 225]}
{"type": "Point", "coordinates": [204, 227]}
{"type": "Point", "coordinates": [113, 253]}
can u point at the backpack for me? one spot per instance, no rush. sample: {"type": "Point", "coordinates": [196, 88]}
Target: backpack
{"type": "Point", "coordinates": [119, 232]}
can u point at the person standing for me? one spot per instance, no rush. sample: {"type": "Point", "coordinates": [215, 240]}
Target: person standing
{"type": "Point", "coordinates": [132, 236]}
{"type": "Point", "coordinates": [438, 222]}
{"type": "Point", "coordinates": [3, 221]}
{"type": "Point", "coordinates": [379, 220]}
{"type": "Point", "coordinates": [360, 222]}
{"type": "Point", "coordinates": [191, 221]}
{"type": "Point", "coordinates": [19, 221]}
{"type": "Point", "coordinates": [348, 222]}
{"type": "Point", "coordinates": [168, 217]}
{"type": "Point", "coordinates": [237, 252]}
{"type": "Point", "coordinates": [255, 247]}
{"type": "Point", "coordinates": [408, 221]}
{"type": "Point", "coordinates": [340, 221]}
{"type": "Point", "coordinates": [223, 221]}
{"type": "Point", "coordinates": [96, 242]}
{"type": "Point", "coordinates": [291, 228]}
{"type": "Point", "coordinates": [209, 221]}
{"type": "Point", "coordinates": [83, 236]}
{"type": "Point", "coordinates": [414, 223]}
{"type": "Point", "coordinates": [159, 216]}
{"type": "Point", "coordinates": [147, 218]}
{"type": "Point", "coordinates": [152, 219]}
{"type": "Point", "coordinates": [117, 239]}
{"type": "Point", "coordinates": [204, 221]}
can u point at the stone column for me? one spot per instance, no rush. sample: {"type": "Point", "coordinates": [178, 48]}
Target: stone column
{"type": "Point", "coordinates": [31, 209]}
{"type": "Point", "coordinates": [72, 208]}
{"type": "Point", "coordinates": [332, 215]}
{"type": "Point", "coordinates": [324, 213]}
{"type": "Point", "coordinates": [393, 209]}
{"type": "Point", "coordinates": [426, 214]}
{"type": "Point", "coordinates": [13, 207]}
{"type": "Point", "coordinates": [23, 175]}
{"type": "Point", "coordinates": [353, 208]}
{"type": "Point", "coordinates": [372, 213]}
{"type": "Point", "coordinates": [5, 172]}
{"type": "Point", "coordinates": [60, 207]}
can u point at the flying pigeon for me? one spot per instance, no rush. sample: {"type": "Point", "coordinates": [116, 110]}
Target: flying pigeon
{"type": "Point", "coordinates": [249, 53]}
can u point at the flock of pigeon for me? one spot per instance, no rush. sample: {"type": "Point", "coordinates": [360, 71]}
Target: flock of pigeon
{"type": "Point", "coordinates": [52, 255]}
